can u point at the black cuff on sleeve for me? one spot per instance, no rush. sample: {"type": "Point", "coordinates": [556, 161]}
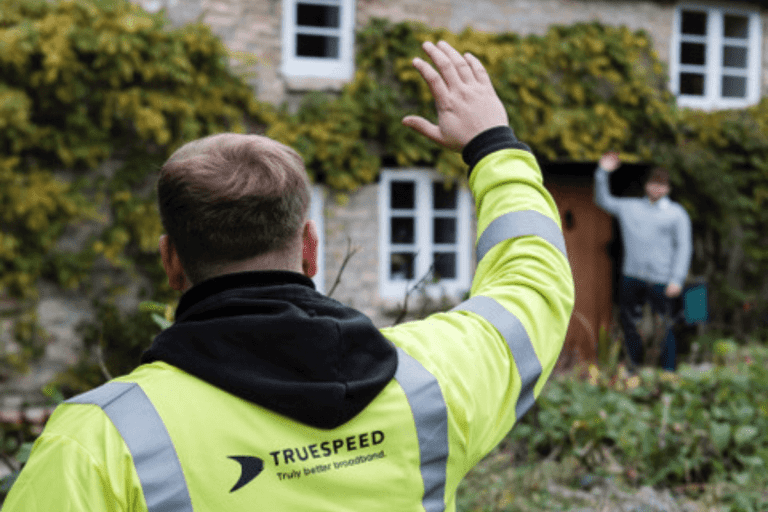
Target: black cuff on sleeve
{"type": "Point", "coordinates": [493, 139]}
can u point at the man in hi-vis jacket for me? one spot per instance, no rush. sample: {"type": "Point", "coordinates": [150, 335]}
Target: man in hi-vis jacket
{"type": "Point", "coordinates": [267, 395]}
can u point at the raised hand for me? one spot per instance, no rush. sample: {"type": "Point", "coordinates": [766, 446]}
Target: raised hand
{"type": "Point", "coordinates": [466, 102]}
{"type": "Point", "coordinates": [610, 161]}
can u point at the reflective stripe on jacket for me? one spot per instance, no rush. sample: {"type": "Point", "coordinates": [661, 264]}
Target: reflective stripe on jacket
{"type": "Point", "coordinates": [162, 440]}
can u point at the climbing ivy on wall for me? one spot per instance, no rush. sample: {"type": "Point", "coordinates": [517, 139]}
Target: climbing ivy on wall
{"type": "Point", "coordinates": [83, 82]}
{"type": "Point", "coordinates": [571, 94]}
{"type": "Point", "coordinates": [720, 160]}
{"type": "Point", "coordinates": [95, 94]}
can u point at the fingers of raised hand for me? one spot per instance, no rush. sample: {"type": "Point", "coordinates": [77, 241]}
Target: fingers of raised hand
{"type": "Point", "coordinates": [460, 64]}
{"type": "Point", "coordinates": [434, 80]}
{"type": "Point", "coordinates": [481, 75]}
{"type": "Point", "coordinates": [445, 65]}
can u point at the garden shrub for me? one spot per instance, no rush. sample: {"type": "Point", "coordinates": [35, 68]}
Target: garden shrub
{"type": "Point", "coordinates": [696, 426]}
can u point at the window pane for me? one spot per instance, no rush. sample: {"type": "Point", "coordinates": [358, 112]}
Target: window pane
{"type": "Point", "coordinates": [694, 22]}
{"type": "Point", "coordinates": [444, 231]}
{"type": "Point", "coordinates": [403, 230]}
{"type": "Point", "coordinates": [445, 265]}
{"type": "Point", "coordinates": [734, 87]}
{"type": "Point", "coordinates": [692, 83]}
{"type": "Point", "coordinates": [317, 46]}
{"type": "Point", "coordinates": [308, 15]}
{"type": "Point", "coordinates": [693, 53]}
{"type": "Point", "coordinates": [401, 265]}
{"type": "Point", "coordinates": [443, 199]}
{"type": "Point", "coordinates": [735, 57]}
{"type": "Point", "coordinates": [402, 195]}
{"type": "Point", "coordinates": [736, 26]}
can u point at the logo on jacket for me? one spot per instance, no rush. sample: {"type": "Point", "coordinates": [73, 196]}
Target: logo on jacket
{"type": "Point", "coordinates": [251, 467]}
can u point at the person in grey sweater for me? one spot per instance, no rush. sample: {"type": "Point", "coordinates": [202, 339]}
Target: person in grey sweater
{"type": "Point", "coordinates": [656, 235]}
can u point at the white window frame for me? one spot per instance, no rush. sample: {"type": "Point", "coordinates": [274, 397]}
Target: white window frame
{"type": "Point", "coordinates": [424, 214]}
{"type": "Point", "coordinates": [316, 213]}
{"type": "Point", "coordinates": [714, 70]}
{"type": "Point", "coordinates": [340, 68]}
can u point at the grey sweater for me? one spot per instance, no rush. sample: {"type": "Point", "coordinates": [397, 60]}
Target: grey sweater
{"type": "Point", "coordinates": [656, 236]}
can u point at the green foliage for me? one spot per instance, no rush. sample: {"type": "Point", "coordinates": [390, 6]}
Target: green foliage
{"type": "Point", "coordinates": [115, 342]}
{"type": "Point", "coordinates": [36, 209]}
{"type": "Point", "coordinates": [720, 168]}
{"type": "Point", "coordinates": [328, 135]}
{"type": "Point", "coordinates": [697, 426]}
{"type": "Point", "coordinates": [82, 78]}
{"type": "Point", "coordinates": [572, 94]}
{"type": "Point", "coordinates": [82, 81]}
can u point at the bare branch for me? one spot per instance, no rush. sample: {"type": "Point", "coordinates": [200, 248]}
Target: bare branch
{"type": "Point", "coordinates": [419, 284]}
{"type": "Point", "coordinates": [351, 251]}
{"type": "Point", "coordinates": [102, 363]}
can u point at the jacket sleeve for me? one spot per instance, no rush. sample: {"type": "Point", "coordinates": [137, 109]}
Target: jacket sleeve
{"type": "Point", "coordinates": [493, 353]}
{"type": "Point", "coordinates": [66, 471]}
{"type": "Point", "coordinates": [603, 197]}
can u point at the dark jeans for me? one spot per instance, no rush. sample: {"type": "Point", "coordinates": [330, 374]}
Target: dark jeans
{"type": "Point", "coordinates": [633, 294]}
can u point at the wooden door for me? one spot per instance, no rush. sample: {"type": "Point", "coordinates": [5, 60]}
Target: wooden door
{"type": "Point", "coordinates": [588, 233]}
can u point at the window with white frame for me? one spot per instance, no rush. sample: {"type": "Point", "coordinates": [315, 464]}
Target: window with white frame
{"type": "Point", "coordinates": [715, 57]}
{"type": "Point", "coordinates": [316, 209]}
{"type": "Point", "coordinates": [318, 38]}
{"type": "Point", "coordinates": [424, 231]}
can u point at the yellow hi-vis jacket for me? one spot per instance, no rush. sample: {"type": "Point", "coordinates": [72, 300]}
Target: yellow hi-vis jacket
{"type": "Point", "coordinates": [163, 440]}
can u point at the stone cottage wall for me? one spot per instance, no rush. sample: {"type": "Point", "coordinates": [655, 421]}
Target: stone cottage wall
{"type": "Point", "coordinates": [254, 26]}
{"type": "Point", "coordinates": [355, 222]}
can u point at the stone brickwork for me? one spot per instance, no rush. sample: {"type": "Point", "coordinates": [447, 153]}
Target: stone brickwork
{"type": "Point", "coordinates": [535, 16]}
{"type": "Point", "coordinates": [254, 26]}
{"type": "Point", "coordinates": [355, 220]}
{"type": "Point", "coordinates": [437, 13]}
{"type": "Point", "coordinates": [248, 27]}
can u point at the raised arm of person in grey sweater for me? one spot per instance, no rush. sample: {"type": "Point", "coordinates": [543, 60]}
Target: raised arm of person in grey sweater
{"type": "Point", "coordinates": [607, 164]}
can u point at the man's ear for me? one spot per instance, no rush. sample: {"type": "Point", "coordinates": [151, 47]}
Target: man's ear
{"type": "Point", "coordinates": [177, 279]}
{"type": "Point", "coordinates": [310, 241]}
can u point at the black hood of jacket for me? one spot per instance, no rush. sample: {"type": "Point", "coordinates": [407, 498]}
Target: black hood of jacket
{"type": "Point", "coordinates": [270, 338]}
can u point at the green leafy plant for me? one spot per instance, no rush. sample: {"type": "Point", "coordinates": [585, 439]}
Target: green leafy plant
{"type": "Point", "coordinates": [114, 343]}
{"type": "Point", "coordinates": [695, 426]}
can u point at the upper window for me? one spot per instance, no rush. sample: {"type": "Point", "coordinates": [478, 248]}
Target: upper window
{"type": "Point", "coordinates": [715, 61]}
{"type": "Point", "coordinates": [424, 233]}
{"type": "Point", "coordinates": [318, 38]}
